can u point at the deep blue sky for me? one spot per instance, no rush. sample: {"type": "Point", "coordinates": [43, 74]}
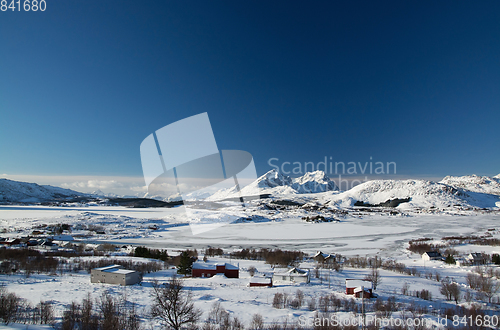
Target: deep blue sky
{"type": "Point", "coordinates": [416, 83]}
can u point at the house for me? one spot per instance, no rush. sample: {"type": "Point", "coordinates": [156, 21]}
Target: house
{"type": "Point", "coordinates": [461, 261]}
{"type": "Point", "coordinates": [47, 245]}
{"type": "Point", "coordinates": [324, 258]}
{"type": "Point", "coordinates": [115, 274]}
{"type": "Point", "coordinates": [261, 281]}
{"type": "Point", "coordinates": [432, 255]}
{"type": "Point", "coordinates": [294, 275]}
{"type": "Point", "coordinates": [476, 258]}
{"type": "Point", "coordinates": [209, 269]}
{"type": "Point", "coordinates": [356, 287]}
{"type": "Point", "coordinates": [11, 241]}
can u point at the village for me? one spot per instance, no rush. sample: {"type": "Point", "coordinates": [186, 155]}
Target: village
{"type": "Point", "coordinates": [285, 286]}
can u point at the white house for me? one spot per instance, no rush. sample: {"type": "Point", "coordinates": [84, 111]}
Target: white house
{"type": "Point", "coordinates": [432, 255]}
{"type": "Point", "coordinates": [294, 275]}
{"type": "Point", "coordinates": [476, 258]}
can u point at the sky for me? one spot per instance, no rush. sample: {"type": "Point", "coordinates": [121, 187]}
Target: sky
{"type": "Point", "coordinates": [83, 83]}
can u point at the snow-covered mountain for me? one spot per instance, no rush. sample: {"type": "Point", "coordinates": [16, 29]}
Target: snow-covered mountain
{"type": "Point", "coordinates": [277, 184]}
{"type": "Point", "coordinates": [474, 183]}
{"type": "Point", "coordinates": [24, 192]}
{"type": "Point", "coordinates": [422, 193]}
{"type": "Point", "coordinates": [314, 182]}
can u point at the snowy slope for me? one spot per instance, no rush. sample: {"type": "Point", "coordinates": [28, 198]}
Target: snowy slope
{"type": "Point", "coordinates": [474, 183]}
{"type": "Point", "coordinates": [314, 182]}
{"type": "Point", "coordinates": [422, 193]}
{"type": "Point", "coordinates": [277, 184]}
{"type": "Point", "coordinates": [24, 192]}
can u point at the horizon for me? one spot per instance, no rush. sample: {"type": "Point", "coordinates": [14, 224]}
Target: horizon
{"type": "Point", "coordinates": [135, 186]}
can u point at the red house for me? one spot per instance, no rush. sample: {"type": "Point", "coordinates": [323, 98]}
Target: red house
{"type": "Point", "coordinates": [359, 288]}
{"type": "Point", "coordinates": [208, 269]}
{"type": "Point", "coordinates": [261, 281]}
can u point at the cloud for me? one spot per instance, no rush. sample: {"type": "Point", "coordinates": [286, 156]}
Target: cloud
{"type": "Point", "coordinates": [94, 184]}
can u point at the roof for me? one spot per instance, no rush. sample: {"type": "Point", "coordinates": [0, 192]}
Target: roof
{"type": "Point", "coordinates": [433, 254]}
{"type": "Point", "coordinates": [358, 289]}
{"type": "Point", "coordinates": [108, 267]}
{"type": "Point", "coordinates": [355, 283]}
{"type": "Point", "coordinates": [263, 280]}
{"type": "Point", "coordinates": [294, 272]}
{"type": "Point", "coordinates": [120, 271]}
{"type": "Point", "coordinates": [324, 255]}
{"type": "Point", "coordinates": [476, 255]}
{"type": "Point", "coordinates": [116, 269]}
{"type": "Point", "coordinates": [212, 265]}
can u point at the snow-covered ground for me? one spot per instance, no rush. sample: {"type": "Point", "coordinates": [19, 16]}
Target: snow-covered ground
{"type": "Point", "coordinates": [236, 296]}
{"type": "Point", "coordinates": [453, 207]}
{"type": "Point", "coordinates": [357, 233]}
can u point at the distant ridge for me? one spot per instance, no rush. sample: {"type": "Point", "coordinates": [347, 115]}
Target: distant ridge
{"type": "Point", "coordinates": [24, 192]}
{"type": "Point", "coordinates": [467, 191]}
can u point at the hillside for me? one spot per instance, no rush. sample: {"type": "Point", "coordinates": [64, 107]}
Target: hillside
{"type": "Point", "coordinates": [24, 192]}
{"type": "Point", "coordinates": [422, 194]}
{"type": "Point", "coordinates": [474, 183]}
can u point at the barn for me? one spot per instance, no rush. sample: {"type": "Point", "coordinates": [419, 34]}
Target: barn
{"type": "Point", "coordinates": [209, 269]}
{"type": "Point", "coordinates": [355, 287]}
{"type": "Point", "coordinates": [114, 274]}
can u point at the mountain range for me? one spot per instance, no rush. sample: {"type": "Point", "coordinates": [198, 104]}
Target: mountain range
{"type": "Point", "coordinates": [469, 191]}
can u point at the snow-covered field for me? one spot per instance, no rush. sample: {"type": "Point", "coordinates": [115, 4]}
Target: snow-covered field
{"type": "Point", "coordinates": [235, 295]}
{"type": "Point", "coordinates": [358, 233]}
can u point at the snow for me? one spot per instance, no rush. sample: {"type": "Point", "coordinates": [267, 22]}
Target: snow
{"type": "Point", "coordinates": [422, 194]}
{"type": "Point", "coordinates": [354, 283]}
{"type": "Point", "coordinates": [277, 184]}
{"type": "Point", "coordinates": [474, 183]}
{"type": "Point", "coordinates": [23, 192]}
{"type": "Point", "coordinates": [432, 212]}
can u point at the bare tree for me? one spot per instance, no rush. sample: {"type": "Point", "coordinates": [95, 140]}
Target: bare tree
{"type": "Point", "coordinates": [252, 270]}
{"type": "Point", "coordinates": [71, 316]}
{"type": "Point", "coordinates": [46, 312]}
{"type": "Point", "coordinates": [405, 289]}
{"type": "Point", "coordinates": [450, 290]}
{"type": "Point", "coordinates": [109, 310]}
{"type": "Point", "coordinates": [374, 276]}
{"type": "Point", "coordinates": [172, 305]}
{"type": "Point", "coordinates": [278, 300]}
{"type": "Point", "coordinates": [9, 305]}
{"type": "Point", "coordinates": [311, 305]}
{"type": "Point", "coordinates": [89, 319]}
{"type": "Point", "coordinates": [257, 322]}
{"type": "Point", "coordinates": [299, 295]}
{"type": "Point", "coordinates": [456, 294]}
{"type": "Point", "coordinates": [489, 287]}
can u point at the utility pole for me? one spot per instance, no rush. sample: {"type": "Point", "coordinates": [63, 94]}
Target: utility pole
{"type": "Point", "coordinates": [363, 306]}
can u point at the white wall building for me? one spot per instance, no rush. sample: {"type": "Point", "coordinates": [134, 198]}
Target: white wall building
{"type": "Point", "coordinates": [115, 274]}
{"type": "Point", "coordinates": [294, 275]}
